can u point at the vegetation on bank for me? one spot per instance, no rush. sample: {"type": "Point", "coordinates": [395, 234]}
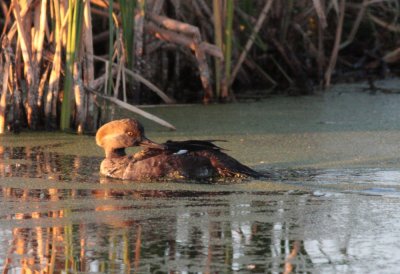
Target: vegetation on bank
{"type": "Point", "coordinates": [63, 61]}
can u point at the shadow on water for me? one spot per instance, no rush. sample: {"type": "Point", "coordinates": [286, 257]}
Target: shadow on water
{"type": "Point", "coordinates": [58, 215]}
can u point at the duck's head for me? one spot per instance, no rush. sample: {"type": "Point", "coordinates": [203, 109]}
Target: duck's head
{"type": "Point", "coordinates": [117, 135]}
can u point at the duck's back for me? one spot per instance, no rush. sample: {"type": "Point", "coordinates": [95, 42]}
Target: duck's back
{"type": "Point", "coordinates": [192, 159]}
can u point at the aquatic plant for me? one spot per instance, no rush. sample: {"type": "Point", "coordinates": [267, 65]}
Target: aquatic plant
{"type": "Point", "coordinates": [63, 62]}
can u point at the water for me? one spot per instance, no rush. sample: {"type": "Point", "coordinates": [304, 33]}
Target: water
{"type": "Point", "coordinates": [330, 205]}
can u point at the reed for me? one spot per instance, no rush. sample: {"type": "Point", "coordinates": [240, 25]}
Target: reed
{"type": "Point", "coordinates": [110, 46]}
{"type": "Point", "coordinates": [218, 33]}
{"type": "Point", "coordinates": [223, 13]}
{"type": "Point", "coordinates": [252, 38]}
{"type": "Point", "coordinates": [283, 46]}
{"type": "Point", "coordinates": [89, 70]}
{"type": "Point", "coordinates": [75, 19]}
{"type": "Point", "coordinates": [128, 23]}
{"type": "Point", "coordinates": [228, 47]}
{"type": "Point", "coordinates": [4, 71]}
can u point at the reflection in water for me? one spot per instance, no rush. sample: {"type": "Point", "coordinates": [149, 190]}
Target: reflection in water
{"type": "Point", "coordinates": [58, 215]}
{"type": "Point", "coordinates": [36, 162]}
{"type": "Point", "coordinates": [109, 231]}
{"type": "Point", "coordinates": [106, 227]}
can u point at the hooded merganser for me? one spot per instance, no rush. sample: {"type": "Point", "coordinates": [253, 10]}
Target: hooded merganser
{"type": "Point", "coordinates": [192, 159]}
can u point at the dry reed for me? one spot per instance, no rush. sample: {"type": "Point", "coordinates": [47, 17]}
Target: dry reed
{"type": "Point", "coordinates": [49, 50]}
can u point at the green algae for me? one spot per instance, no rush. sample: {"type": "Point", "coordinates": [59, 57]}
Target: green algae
{"type": "Point", "coordinates": [334, 129]}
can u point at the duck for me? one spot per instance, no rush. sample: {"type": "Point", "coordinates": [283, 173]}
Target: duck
{"type": "Point", "coordinates": [190, 159]}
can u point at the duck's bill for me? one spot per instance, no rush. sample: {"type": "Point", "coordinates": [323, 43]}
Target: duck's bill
{"type": "Point", "coordinates": [148, 143]}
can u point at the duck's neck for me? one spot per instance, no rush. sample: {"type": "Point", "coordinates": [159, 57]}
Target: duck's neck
{"type": "Point", "coordinates": [115, 152]}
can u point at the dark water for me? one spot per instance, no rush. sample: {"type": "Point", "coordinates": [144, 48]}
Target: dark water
{"type": "Point", "coordinates": [331, 204]}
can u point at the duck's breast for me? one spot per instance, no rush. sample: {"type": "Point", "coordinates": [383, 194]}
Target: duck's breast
{"type": "Point", "coordinates": [114, 167]}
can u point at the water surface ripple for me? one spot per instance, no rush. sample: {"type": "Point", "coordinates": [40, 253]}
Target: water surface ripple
{"type": "Point", "coordinates": [322, 213]}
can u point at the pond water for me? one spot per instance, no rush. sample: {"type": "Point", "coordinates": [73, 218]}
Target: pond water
{"type": "Point", "coordinates": [331, 204]}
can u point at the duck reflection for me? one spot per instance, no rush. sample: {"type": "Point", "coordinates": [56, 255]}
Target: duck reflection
{"type": "Point", "coordinates": [103, 225]}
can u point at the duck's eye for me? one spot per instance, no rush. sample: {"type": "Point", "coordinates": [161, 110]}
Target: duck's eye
{"type": "Point", "coordinates": [130, 133]}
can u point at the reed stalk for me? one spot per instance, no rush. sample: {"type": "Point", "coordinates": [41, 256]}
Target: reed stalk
{"type": "Point", "coordinates": [88, 68]}
{"type": "Point", "coordinates": [127, 8]}
{"type": "Point", "coordinates": [356, 25]}
{"type": "Point", "coordinates": [139, 63]}
{"type": "Point", "coordinates": [75, 19]}
{"type": "Point", "coordinates": [4, 71]}
{"type": "Point", "coordinates": [228, 48]}
{"type": "Point", "coordinates": [31, 75]}
{"type": "Point", "coordinates": [260, 21]}
{"type": "Point", "coordinates": [218, 15]}
{"type": "Point", "coordinates": [291, 38]}
{"type": "Point", "coordinates": [110, 46]}
{"type": "Point", "coordinates": [336, 46]}
{"type": "Point", "coordinates": [319, 9]}
{"type": "Point", "coordinates": [50, 106]}
{"type": "Point", "coordinates": [41, 14]}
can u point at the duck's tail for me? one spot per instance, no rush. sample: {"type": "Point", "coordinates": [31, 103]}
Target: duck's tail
{"type": "Point", "coordinates": [230, 167]}
{"type": "Point", "coordinates": [223, 163]}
